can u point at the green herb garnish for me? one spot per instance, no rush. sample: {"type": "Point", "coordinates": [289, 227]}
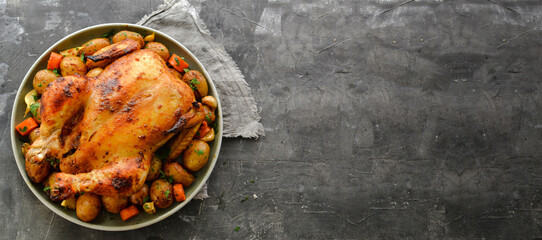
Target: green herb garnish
{"type": "Point", "coordinates": [47, 189]}
{"type": "Point", "coordinates": [215, 127]}
{"type": "Point", "coordinates": [186, 70]}
{"type": "Point", "coordinates": [166, 177]}
{"type": "Point", "coordinates": [193, 84]}
{"type": "Point", "coordinates": [146, 199]}
{"type": "Point", "coordinates": [108, 34]}
{"type": "Point", "coordinates": [194, 81]}
{"type": "Point", "coordinates": [167, 193]}
{"type": "Point", "coordinates": [199, 152]}
{"type": "Point", "coordinates": [34, 108]}
{"type": "Point", "coordinates": [55, 71]}
{"type": "Point", "coordinates": [23, 129]}
{"type": "Point", "coordinates": [237, 229]}
{"type": "Point", "coordinates": [244, 199]}
{"type": "Point", "coordinates": [83, 56]}
{"type": "Point", "coordinates": [53, 161]}
{"type": "Point", "coordinates": [177, 61]}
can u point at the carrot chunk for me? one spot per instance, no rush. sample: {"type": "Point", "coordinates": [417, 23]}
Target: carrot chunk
{"type": "Point", "coordinates": [25, 127]}
{"type": "Point", "coordinates": [203, 130]}
{"type": "Point", "coordinates": [178, 191]}
{"type": "Point", "coordinates": [128, 212]}
{"type": "Point", "coordinates": [178, 63]}
{"type": "Point", "coordinates": [54, 61]}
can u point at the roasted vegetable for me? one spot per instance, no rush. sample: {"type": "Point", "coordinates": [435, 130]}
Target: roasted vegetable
{"type": "Point", "coordinates": [139, 197]}
{"type": "Point", "coordinates": [161, 193]}
{"type": "Point", "coordinates": [93, 46]}
{"type": "Point", "coordinates": [25, 127]}
{"type": "Point", "coordinates": [88, 207]}
{"type": "Point", "coordinates": [149, 208]}
{"type": "Point", "coordinates": [42, 79]}
{"type": "Point", "coordinates": [129, 34]}
{"type": "Point", "coordinates": [154, 169]}
{"type": "Point", "coordinates": [210, 136]}
{"type": "Point", "coordinates": [196, 155]}
{"type": "Point", "coordinates": [114, 205]}
{"type": "Point", "coordinates": [158, 48]}
{"type": "Point", "coordinates": [175, 171]}
{"type": "Point", "coordinates": [197, 82]}
{"type": "Point", "coordinates": [72, 65]}
{"type": "Point", "coordinates": [30, 98]}
{"type": "Point", "coordinates": [69, 203]}
{"type": "Point", "coordinates": [129, 212]}
{"type": "Point", "coordinates": [70, 52]}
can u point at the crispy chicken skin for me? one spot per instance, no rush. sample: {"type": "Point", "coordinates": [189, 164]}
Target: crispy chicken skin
{"type": "Point", "coordinates": [105, 130]}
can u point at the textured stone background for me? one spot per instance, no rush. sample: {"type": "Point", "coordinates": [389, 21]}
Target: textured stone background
{"type": "Point", "coordinates": [385, 119]}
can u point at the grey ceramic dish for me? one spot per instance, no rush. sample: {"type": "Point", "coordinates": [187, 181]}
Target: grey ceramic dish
{"type": "Point", "coordinates": [106, 221]}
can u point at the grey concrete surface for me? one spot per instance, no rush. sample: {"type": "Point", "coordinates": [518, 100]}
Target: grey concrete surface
{"type": "Point", "coordinates": [385, 119]}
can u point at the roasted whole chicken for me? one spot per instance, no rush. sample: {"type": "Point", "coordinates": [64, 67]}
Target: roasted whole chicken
{"type": "Point", "coordinates": [105, 130]}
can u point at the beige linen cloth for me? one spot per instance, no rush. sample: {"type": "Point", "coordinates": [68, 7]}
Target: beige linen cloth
{"type": "Point", "coordinates": [179, 20]}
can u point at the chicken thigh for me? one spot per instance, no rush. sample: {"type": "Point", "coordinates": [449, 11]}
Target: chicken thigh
{"type": "Point", "coordinates": [105, 130]}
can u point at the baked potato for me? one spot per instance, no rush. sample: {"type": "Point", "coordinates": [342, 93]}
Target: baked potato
{"type": "Point", "coordinates": [88, 207]}
{"type": "Point", "coordinates": [197, 82]}
{"type": "Point", "coordinates": [70, 52]}
{"type": "Point", "coordinates": [128, 34]}
{"type": "Point", "coordinates": [161, 193]}
{"type": "Point", "coordinates": [72, 65]}
{"type": "Point", "coordinates": [196, 155]}
{"type": "Point", "coordinates": [114, 205]}
{"type": "Point", "coordinates": [178, 173]}
{"type": "Point", "coordinates": [154, 169]}
{"type": "Point", "coordinates": [93, 46]}
{"type": "Point", "coordinates": [158, 48]}
{"type": "Point", "coordinates": [42, 79]}
{"type": "Point", "coordinates": [209, 115]}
